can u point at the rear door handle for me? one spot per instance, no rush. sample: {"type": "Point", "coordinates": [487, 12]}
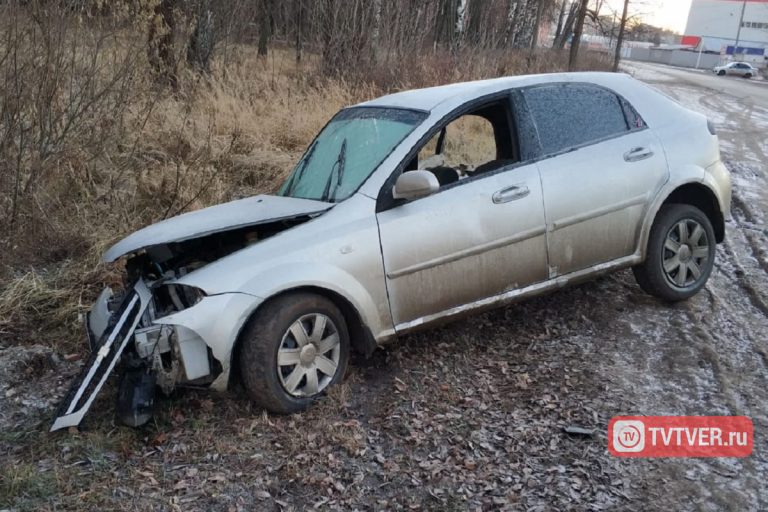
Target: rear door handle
{"type": "Point", "coordinates": [512, 193]}
{"type": "Point", "coordinates": [637, 154]}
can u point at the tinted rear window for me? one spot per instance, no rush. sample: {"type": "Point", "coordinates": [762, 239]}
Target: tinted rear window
{"type": "Point", "coordinates": [569, 115]}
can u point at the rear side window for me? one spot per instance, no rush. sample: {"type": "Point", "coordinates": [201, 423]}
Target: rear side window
{"type": "Point", "coordinates": [570, 115]}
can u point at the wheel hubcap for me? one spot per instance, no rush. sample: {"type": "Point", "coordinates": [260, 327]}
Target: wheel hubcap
{"type": "Point", "coordinates": [685, 253]}
{"type": "Point", "coordinates": [309, 354]}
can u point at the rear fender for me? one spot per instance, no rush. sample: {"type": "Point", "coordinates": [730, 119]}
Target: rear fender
{"type": "Point", "coordinates": [682, 176]}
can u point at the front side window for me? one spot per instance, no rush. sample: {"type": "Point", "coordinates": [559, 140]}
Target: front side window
{"type": "Point", "coordinates": [468, 142]}
{"type": "Point", "coordinates": [347, 151]}
{"type": "Point", "coordinates": [474, 143]}
{"type": "Point", "coordinates": [571, 115]}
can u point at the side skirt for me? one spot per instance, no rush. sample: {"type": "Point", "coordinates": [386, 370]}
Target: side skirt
{"type": "Point", "coordinates": [519, 294]}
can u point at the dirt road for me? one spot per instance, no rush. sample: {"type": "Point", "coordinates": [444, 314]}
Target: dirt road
{"type": "Point", "coordinates": [751, 92]}
{"type": "Point", "coordinates": [469, 416]}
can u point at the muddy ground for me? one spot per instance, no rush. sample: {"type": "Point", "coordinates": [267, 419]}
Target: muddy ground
{"type": "Point", "coordinates": [468, 416]}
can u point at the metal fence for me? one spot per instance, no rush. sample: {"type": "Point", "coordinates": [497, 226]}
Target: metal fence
{"type": "Point", "coordinates": [680, 58]}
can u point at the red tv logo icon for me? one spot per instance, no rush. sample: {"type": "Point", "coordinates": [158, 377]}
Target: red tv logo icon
{"type": "Point", "coordinates": [628, 436]}
{"type": "Point", "coordinates": [680, 436]}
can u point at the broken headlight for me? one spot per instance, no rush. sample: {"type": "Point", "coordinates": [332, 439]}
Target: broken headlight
{"type": "Point", "coordinates": [170, 298]}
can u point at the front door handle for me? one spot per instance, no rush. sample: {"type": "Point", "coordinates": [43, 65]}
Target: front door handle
{"type": "Point", "coordinates": [512, 193]}
{"type": "Point", "coordinates": [637, 154]}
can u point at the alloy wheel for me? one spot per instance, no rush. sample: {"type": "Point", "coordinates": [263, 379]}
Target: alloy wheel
{"type": "Point", "coordinates": [309, 354]}
{"type": "Point", "coordinates": [685, 253]}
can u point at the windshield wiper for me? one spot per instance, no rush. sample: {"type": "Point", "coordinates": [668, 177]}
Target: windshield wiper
{"type": "Point", "coordinates": [298, 175]}
{"type": "Point", "coordinates": [338, 166]}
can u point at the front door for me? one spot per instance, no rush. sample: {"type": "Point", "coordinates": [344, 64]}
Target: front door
{"type": "Point", "coordinates": [481, 235]}
{"type": "Point", "coordinates": [464, 244]}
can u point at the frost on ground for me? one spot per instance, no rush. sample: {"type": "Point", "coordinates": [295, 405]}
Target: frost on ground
{"type": "Point", "coordinates": [469, 416]}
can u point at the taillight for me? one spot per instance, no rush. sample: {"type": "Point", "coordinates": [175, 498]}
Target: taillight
{"type": "Point", "coordinates": [711, 127]}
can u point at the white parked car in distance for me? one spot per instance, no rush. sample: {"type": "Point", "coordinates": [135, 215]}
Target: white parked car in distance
{"type": "Point", "coordinates": [743, 69]}
{"type": "Point", "coordinates": [411, 209]}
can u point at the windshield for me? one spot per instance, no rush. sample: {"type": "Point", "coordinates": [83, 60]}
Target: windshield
{"type": "Point", "coordinates": [347, 151]}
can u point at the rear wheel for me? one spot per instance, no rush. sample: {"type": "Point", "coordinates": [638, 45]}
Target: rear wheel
{"type": "Point", "coordinates": [294, 348]}
{"type": "Point", "coordinates": [680, 253]}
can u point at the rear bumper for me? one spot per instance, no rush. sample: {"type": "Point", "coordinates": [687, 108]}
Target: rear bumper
{"type": "Point", "coordinates": [718, 178]}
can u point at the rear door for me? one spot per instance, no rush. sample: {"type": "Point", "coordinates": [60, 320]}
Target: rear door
{"type": "Point", "coordinates": [600, 166]}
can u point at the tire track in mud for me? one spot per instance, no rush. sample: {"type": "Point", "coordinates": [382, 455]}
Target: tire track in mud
{"type": "Point", "coordinates": [715, 330]}
{"type": "Point", "coordinates": [748, 223]}
{"type": "Point", "coordinates": [714, 355]}
{"type": "Point", "coordinates": [746, 142]}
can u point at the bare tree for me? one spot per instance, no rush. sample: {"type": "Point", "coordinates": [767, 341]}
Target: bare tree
{"type": "Point", "coordinates": [620, 38]}
{"type": "Point", "coordinates": [265, 27]}
{"type": "Point", "coordinates": [563, 4]}
{"type": "Point", "coordinates": [567, 31]}
{"type": "Point", "coordinates": [299, 29]}
{"type": "Point", "coordinates": [461, 22]}
{"type": "Point", "coordinates": [160, 51]}
{"type": "Point", "coordinates": [542, 6]}
{"type": "Point", "coordinates": [201, 42]}
{"type": "Point", "coordinates": [573, 56]}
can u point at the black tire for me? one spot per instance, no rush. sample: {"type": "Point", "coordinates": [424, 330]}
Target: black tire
{"type": "Point", "coordinates": [748, 75]}
{"type": "Point", "coordinates": [262, 339]}
{"type": "Point", "coordinates": [651, 274]}
{"type": "Point", "coordinates": [721, 72]}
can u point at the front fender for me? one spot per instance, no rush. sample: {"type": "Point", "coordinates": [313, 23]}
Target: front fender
{"type": "Point", "coordinates": [373, 311]}
{"type": "Point", "coordinates": [217, 319]}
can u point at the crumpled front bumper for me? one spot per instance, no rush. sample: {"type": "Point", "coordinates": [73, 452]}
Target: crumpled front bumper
{"type": "Point", "coordinates": [213, 323]}
{"type": "Point", "coordinates": [106, 351]}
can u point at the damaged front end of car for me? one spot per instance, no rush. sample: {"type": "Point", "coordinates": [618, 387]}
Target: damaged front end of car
{"type": "Point", "coordinates": [162, 334]}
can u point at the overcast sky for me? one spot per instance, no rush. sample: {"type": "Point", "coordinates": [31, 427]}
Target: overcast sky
{"type": "Point", "coordinates": [671, 14]}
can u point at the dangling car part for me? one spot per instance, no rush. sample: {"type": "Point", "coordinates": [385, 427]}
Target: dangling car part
{"type": "Point", "coordinates": [408, 210]}
{"type": "Point", "coordinates": [136, 395]}
{"type": "Point", "coordinates": [106, 354]}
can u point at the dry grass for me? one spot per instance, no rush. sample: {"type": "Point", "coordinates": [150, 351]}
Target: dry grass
{"type": "Point", "coordinates": [232, 134]}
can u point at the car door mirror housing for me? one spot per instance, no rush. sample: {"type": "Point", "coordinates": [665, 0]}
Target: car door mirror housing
{"type": "Point", "coordinates": [415, 184]}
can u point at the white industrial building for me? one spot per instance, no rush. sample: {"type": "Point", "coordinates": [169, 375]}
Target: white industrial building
{"type": "Point", "coordinates": [732, 27]}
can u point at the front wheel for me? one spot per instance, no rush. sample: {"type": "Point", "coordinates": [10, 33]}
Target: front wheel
{"type": "Point", "coordinates": [294, 348]}
{"type": "Point", "coordinates": [748, 75]}
{"type": "Point", "coordinates": [721, 72]}
{"type": "Point", "coordinates": [680, 253]}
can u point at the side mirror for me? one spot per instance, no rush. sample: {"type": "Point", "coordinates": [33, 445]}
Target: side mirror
{"type": "Point", "coordinates": [415, 184]}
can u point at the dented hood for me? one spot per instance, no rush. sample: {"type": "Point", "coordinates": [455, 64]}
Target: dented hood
{"type": "Point", "coordinates": [250, 211]}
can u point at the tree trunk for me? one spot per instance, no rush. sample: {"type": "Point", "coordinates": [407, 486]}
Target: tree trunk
{"type": "Point", "coordinates": [560, 20]}
{"type": "Point", "coordinates": [461, 23]}
{"type": "Point", "coordinates": [620, 38]}
{"type": "Point", "coordinates": [160, 44]}
{"type": "Point", "coordinates": [573, 56]}
{"type": "Point", "coordinates": [536, 25]}
{"type": "Point", "coordinates": [299, 29]}
{"type": "Point", "coordinates": [264, 29]}
{"type": "Point", "coordinates": [201, 42]}
{"type": "Point", "coordinates": [559, 43]}
{"type": "Point", "coordinates": [376, 30]}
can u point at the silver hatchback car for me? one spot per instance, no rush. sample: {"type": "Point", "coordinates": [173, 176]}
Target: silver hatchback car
{"type": "Point", "coordinates": [410, 209]}
{"type": "Point", "coordinates": [743, 69]}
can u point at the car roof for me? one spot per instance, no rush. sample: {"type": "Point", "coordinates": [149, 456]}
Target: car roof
{"type": "Point", "coordinates": [429, 98]}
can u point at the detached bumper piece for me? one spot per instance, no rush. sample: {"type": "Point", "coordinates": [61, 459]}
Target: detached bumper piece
{"type": "Point", "coordinates": [108, 350]}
